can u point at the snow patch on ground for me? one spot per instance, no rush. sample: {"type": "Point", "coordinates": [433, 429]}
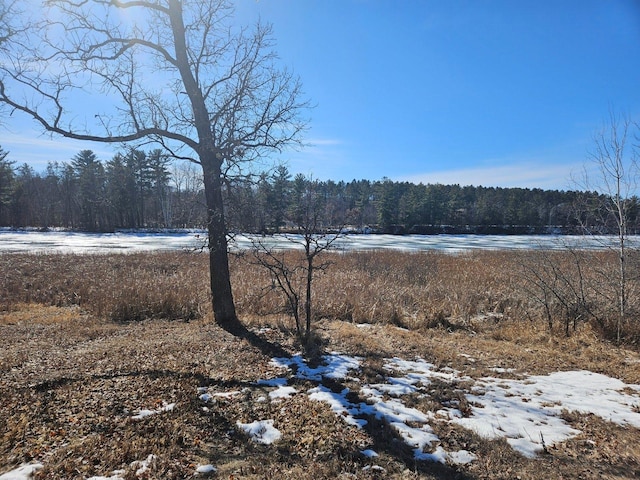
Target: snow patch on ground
{"type": "Point", "coordinates": [369, 453]}
{"type": "Point", "coordinates": [142, 468]}
{"type": "Point", "coordinates": [206, 469]}
{"type": "Point", "coordinates": [335, 366]}
{"type": "Point", "coordinates": [261, 431]}
{"type": "Point", "coordinates": [526, 412]}
{"type": "Point", "coordinates": [24, 472]}
{"type": "Point", "coordinates": [282, 391]}
{"type": "Point", "coordinates": [166, 407]}
{"type": "Point", "coordinates": [339, 404]}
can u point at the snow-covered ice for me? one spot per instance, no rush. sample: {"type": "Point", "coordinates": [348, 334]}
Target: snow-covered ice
{"type": "Point", "coordinates": [126, 242]}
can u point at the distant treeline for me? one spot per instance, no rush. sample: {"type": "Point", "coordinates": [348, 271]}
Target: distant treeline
{"type": "Point", "coordinates": [137, 189]}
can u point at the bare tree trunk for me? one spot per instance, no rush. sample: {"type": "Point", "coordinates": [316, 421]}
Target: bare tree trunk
{"type": "Point", "coordinates": [220, 278]}
{"type": "Point", "coordinates": [622, 281]}
{"type": "Point", "coordinates": [307, 304]}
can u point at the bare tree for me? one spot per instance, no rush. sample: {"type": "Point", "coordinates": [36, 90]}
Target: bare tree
{"type": "Point", "coordinates": [292, 274]}
{"type": "Point", "coordinates": [170, 72]}
{"type": "Point", "coordinates": [616, 176]}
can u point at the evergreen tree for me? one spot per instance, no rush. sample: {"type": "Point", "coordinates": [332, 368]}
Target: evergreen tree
{"type": "Point", "coordinates": [158, 165]}
{"type": "Point", "coordinates": [7, 177]}
{"type": "Point", "coordinates": [90, 176]}
{"type": "Point", "coordinates": [280, 195]}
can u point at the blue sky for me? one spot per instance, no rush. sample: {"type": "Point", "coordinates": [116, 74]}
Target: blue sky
{"type": "Point", "coordinates": [483, 92]}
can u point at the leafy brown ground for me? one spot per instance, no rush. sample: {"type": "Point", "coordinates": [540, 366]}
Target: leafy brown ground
{"type": "Point", "coordinates": [70, 382]}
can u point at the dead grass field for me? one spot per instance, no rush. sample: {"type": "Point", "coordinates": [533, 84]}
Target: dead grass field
{"type": "Point", "coordinates": [88, 341]}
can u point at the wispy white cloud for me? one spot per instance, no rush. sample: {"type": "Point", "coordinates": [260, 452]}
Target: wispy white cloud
{"type": "Point", "coordinates": [525, 174]}
{"type": "Point", "coordinates": [319, 142]}
{"type": "Point", "coordinates": [321, 158]}
{"type": "Point", "coordinates": [35, 141]}
{"type": "Point", "coordinates": [37, 149]}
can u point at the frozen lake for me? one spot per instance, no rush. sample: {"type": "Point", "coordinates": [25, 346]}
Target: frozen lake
{"type": "Point", "coordinates": [127, 242]}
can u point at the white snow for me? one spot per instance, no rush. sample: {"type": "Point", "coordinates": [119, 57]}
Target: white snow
{"type": "Point", "coordinates": [273, 382]}
{"type": "Point", "coordinates": [339, 404]}
{"type": "Point", "coordinates": [502, 370]}
{"type": "Point", "coordinates": [461, 457]}
{"type": "Point", "coordinates": [527, 411]}
{"type": "Point", "coordinates": [524, 411]}
{"type": "Point", "coordinates": [261, 431]}
{"type": "Point", "coordinates": [24, 472]}
{"type": "Point", "coordinates": [282, 391]}
{"type": "Point", "coordinates": [373, 467]}
{"type": "Point", "coordinates": [206, 469]}
{"type": "Point", "coordinates": [335, 366]}
{"type": "Point", "coordinates": [438, 456]}
{"type": "Point", "coordinates": [369, 453]}
{"type": "Point", "coordinates": [230, 394]}
{"type": "Point", "coordinates": [141, 466]}
{"type": "Point", "coordinates": [167, 407]}
{"type": "Point", "coordinates": [115, 475]}
{"type": "Point", "coordinates": [207, 397]}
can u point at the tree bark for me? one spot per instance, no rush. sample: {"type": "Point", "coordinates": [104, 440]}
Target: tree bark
{"type": "Point", "coordinates": [307, 306]}
{"type": "Point", "coordinates": [224, 310]}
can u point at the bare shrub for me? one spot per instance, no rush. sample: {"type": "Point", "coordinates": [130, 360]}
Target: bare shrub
{"type": "Point", "coordinates": [572, 286]}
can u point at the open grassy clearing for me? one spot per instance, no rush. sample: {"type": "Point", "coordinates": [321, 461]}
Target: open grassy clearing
{"type": "Point", "coordinates": [74, 374]}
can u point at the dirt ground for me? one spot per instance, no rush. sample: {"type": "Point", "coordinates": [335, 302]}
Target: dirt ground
{"type": "Point", "coordinates": [71, 384]}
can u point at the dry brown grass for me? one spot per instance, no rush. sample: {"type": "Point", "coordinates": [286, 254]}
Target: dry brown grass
{"type": "Point", "coordinates": [119, 287]}
{"type": "Point", "coordinates": [407, 289]}
{"type": "Point", "coordinates": [412, 290]}
{"type": "Point", "coordinates": [88, 340]}
{"type": "Point", "coordinates": [70, 383]}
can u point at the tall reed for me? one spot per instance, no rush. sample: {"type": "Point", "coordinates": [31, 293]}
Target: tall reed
{"type": "Point", "coordinates": [413, 290]}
